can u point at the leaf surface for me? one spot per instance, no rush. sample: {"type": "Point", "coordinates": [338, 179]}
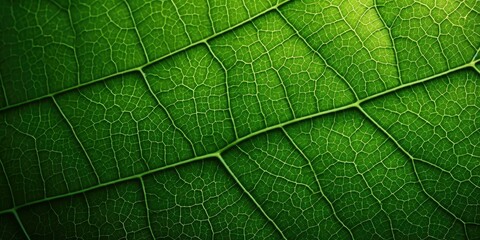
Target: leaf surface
{"type": "Point", "coordinates": [240, 119]}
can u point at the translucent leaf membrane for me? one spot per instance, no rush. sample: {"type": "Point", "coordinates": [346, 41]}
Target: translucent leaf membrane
{"type": "Point", "coordinates": [351, 38]}
{"type": "Point", "coordinates": [239, 119]}
{"type": "Point", "coordinates": [377, 45]}
{"type": "Point", "coordinates": [283, 183]}
{"type": "Point", "coordinates": [346, 174]}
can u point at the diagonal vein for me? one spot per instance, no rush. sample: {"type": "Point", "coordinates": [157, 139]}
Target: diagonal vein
{"type": "Point", "coordinates": [136, 30]}
{"type": "Point", "coordinates": [390, 35]}
{"type": "Point", "coordinates": [249, 195]}
{"type": "Point", "coordinates": [318, 182]}
{"type": "Point", "coordinates": [15, 213]}
{"type": "Point", "coordinates": [77, 139]}
{"type": "Point", "coordinates": [244, 138]}
{"type": "Point", "coordinates": [148, 63]}
{"type": "Point", "coordinates": [8, 182]}
{"type": "Point", "coordinates": [318, 54]}
{"type": "Point", "coordinates": [168, 114]}
{"type": "Point", "coordinates": [146, 207]}
{"type": "Point", "coordinates": [227, 89]}
{"type": "Point", "coordinates": [4, 90]}
{"type": "Point", "coordinates": [412, 158]}
{"type": "Point", "coordinates": [110, 183]}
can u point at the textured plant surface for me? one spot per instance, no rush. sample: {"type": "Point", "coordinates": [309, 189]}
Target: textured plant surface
{"type": "Point", "coordinates": [240, 119]}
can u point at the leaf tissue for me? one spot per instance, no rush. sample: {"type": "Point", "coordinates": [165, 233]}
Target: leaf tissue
{"type": "Point", "coordinates": [216, 119]}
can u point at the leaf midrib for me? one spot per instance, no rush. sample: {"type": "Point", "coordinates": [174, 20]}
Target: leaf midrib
{"type": "Point", "coordinates": [217, 154]}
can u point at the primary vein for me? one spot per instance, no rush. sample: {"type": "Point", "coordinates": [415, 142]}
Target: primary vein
{"type": "Point", "coordinates": [148, 63]}
{"type": "Point", "coordinates": [242, 139]}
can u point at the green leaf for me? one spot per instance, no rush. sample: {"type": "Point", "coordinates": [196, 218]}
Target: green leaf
{"type": "Point", "coordinates": [240, 119]}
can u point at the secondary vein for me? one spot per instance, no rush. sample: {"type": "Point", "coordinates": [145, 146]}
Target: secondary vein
{"type": "Point", "coordinates": [148, 63]}
{"type": "Point", "coordinates": [242, 139]}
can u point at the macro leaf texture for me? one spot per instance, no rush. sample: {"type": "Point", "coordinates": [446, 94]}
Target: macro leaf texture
{"type": "Point", "coordinates": [216, 119]}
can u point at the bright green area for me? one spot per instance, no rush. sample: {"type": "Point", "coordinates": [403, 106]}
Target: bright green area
{"type": "Point", "coordinates": [240, 119]}
{"type": "Point", "coordinates": [273, 77]}
{"type": "Point", "coordinates": [352, 38]}
{"type": "Point", "coordinates": [449, 38]}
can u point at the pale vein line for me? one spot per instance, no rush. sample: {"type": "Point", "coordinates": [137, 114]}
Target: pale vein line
{"type": "Point", "coordinates": [227, 88]}
{"type": "Point", "coordinates": [140, 143]}
{"type": "Point", "coordinates": [37, 154]}
{"type": "Point", "coordinates": [389, 29]}
{"type": "Point", "coordinates": [3, 89]}
{"type": "Point", "coordinates": [136, 30]}
{"type": "Point", "coordinates": [284, 88]}
{"type": "Point", "coordinates": [375, 197]}
{"type": "Point", "coordinates": [74, 47]}
{"type": "Point", "coordinates": [445, 171]}
{"type": "Point", "coordinates": [219, 156]}
{"type": "Point", "coordinates": [44, 183]}
{"type": "Point", "coordinates": [181, 20]}
{"type": "Point", "coordinates": [477, 54]}
{"type": "Point", "coordinates": [69, 89]}
{"type": "Point", "coordinates": [318, 54]}
{"type": "Point", "coordinates": [203, 205]}
{"type": "Point", "coordinates": [465, 231]}
{"type": "Point", "coordinates": [8, 182]}
{"type": "Point", "coordinates": [477, 69]}
{"type": "Point", "coordinates": [144, 76]}
{"type": "Point", "coordinates": [318, 182]}
{"type": "Point", "coordinates": [15, 213]}
{"type": "Point", "coordinates": [280, 125]}
{"type": "Point", "coordinates": [140, 67]}
{"type": "Point", "coordinates": [195, 99]}
{"type": "Point", "coordinates": [376, 124]}
{"type": "Point", "coordinates": [209, 13]}
{"type": "Point", "coordinates": [112, 147]}
{"type": "Point", "coordinates": [273, 174]}
{"type": "Point", "coordinates": [239, 140]}
{"type": "Point", "coordinates": [76, 138]}
{"type": "Point", "coordinates": [272, 65]}
{"type": "Point", "coordinates": [146, 207]}
{"type": "Point", "coordinates": [471, 64]}
{"type": "Point", "coordinates": [113, 182]}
